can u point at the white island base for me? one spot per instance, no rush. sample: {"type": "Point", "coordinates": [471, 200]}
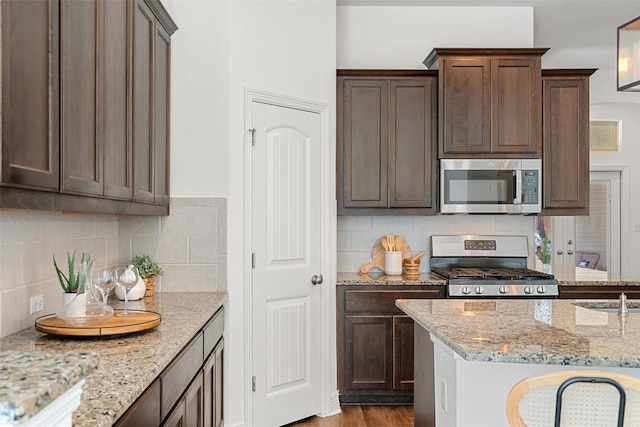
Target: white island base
{"type": "Point", "coordinates": [473, 394]}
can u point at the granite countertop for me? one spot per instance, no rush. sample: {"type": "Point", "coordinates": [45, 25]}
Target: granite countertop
{"type": "Point", "coordinates": [29, 381]}
{"type": "Point", "coordinates": [553, 331]}
{"type": "Point", "coordinates": [128, 364]}
{"type": "Point", "coordinates": [381, 279]}
{"type": "Point", "coordinates": [599, 283]}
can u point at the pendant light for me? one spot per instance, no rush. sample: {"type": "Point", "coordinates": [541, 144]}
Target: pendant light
{"type": "Point", "coordinates": [629, 56]}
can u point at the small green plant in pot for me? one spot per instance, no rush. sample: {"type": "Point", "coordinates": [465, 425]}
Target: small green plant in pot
{"type": "Point", "coordinates": [149, 270]}
{"type": "Point", "coordinates": [70, 282]}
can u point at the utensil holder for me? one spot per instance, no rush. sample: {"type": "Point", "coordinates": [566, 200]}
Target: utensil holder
{"type": "Point", "coordinates": [393, 263]}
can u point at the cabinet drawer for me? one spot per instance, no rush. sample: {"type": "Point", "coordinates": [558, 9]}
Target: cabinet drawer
{"type": "Point", "coordinates": [213, 332]}
{"type": "Point", "coordinates": [383, 301]}
{"type": "Point", "coordinates": [145, 410]}
{"type": "Point", "coordinates": [179, 374]}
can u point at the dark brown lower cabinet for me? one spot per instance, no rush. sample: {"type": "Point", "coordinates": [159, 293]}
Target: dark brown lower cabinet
{"type": "Point", "coordinates": [598, 292]}
{"type": "Point", "coordinates": [188, 393]}
{"type": "Point", "coordinates": [375, 343]}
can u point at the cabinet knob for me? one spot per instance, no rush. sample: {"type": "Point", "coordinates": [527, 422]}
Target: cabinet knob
{"type": "Point", "coordinates": [560, 252]}
{"type": "Point", "coordinates": [569, 252]}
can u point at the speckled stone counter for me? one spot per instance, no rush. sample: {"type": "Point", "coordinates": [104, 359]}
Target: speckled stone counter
{"type": "Point", "coordinates": [29, 381]}
{"type": "Point", "coordinates": [621, 283]}
{"type": "Point", "coordinates": [381, 279]}
{"type": "Point", "coordinates": [553, 332]}
{"type": "Point", "coordinates": [128, 363]}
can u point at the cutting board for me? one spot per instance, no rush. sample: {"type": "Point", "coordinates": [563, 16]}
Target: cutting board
{"type": "Point", "coordinates": [377, 255]}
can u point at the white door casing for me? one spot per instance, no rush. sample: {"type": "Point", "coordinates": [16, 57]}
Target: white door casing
{"type": "Point", "coordinates": [286, 236]}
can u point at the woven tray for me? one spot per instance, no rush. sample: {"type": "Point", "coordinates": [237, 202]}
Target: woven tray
{"type": "Point", "coordinates": [136, 322]}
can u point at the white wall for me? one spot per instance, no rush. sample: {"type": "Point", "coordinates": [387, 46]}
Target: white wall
{"type": "Point", "coordinates": [402, 36]}
{"type": "Point", "coordinates": [220, 49]}
{"type": "Point", "coordinates": [200, 98]}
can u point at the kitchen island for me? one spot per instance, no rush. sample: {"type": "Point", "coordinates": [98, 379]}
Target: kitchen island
{"type": "Point", "coordinates": [469, 353]}
{"type": "Point", "coordinates": [128, 364]}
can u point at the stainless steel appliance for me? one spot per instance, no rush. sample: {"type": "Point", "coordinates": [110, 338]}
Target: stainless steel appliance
{"type": "Point", "coordinates": [478, 266]}
{"type": "Point", "coordinates": [512, 186]}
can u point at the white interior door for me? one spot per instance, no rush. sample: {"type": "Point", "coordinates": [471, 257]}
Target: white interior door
{"type": "Point", "coordinates": [286, 232]}
{"type": "Point", "coordinates": [595, 237]}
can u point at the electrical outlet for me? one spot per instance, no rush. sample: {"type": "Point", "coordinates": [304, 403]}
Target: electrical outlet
{"type": "Point", "coordinates": [36, 304]}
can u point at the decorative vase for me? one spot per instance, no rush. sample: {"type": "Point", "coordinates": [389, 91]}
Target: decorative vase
{"type": "Point", "coordinates": [136, 293]}
{"type": "Point", "coordinates": [150, 285]}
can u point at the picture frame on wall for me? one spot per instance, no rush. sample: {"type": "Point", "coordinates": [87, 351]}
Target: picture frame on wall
{"type": "Point", "coordinates": [604, 135]}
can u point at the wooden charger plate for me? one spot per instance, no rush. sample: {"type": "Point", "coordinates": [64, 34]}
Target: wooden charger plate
{"type": "Point", "coordinates": [138, 321]}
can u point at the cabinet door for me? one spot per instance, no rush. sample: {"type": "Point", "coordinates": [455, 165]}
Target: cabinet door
{"type": "Point", "coordinates": [193, 403]}
{"type": "Point", "coordinates": [368, 352]}
{"type": "Point", "coordinates": [213, 387]}
{"type": "Point", "coordinates": [116, 105]}
{"type": "Point", "coordinates": [412, 148]}
{"type": "Point", "coordinates": [362, 144]}
{"type": "Point", "coordinates": [144, 34]}
{"type": "Point", "coordinates": [177, 417]}
{"type": "Point", "coordinates": [516, 110]}
{"type": "Point", "coordinates": [30, 86]}
{"type": "Point", "coordinates": [402, 353]}
{"type": "Point", "coordinates": [81, 145]}
{"type": "Point", "coordinates": [161, 115]}
{"type": "Point", "coordinates": [465, 106]}
{"type": "Point", "coordinates": [565, 160]}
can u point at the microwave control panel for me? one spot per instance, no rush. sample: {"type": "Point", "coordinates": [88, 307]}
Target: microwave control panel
{"type": "Point", "coordinates": [530, 187]}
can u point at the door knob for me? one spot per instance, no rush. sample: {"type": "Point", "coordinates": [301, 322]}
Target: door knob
{"type": "Point", "coordinates": [560, 252]}
{"type": "Point", "coordinates": [569, 252]}
{"type": "Point", "coordinates": [316, 279]}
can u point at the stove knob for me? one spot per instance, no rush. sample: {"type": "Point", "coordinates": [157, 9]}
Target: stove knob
{"type": "Point", "coordinates": [528, 290]}
{"type": "Point", "coordinates": [466, 290]}
{"type": "Point", "coordinates": [479, 290]}
{"type": "Point", "coordinates": [542, 289]}
{"type": "Point", "coordinates": [503, 289]}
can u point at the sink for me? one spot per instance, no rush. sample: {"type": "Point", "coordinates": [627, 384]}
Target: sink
{"type": "Point", "coordinates": [608, 307]}
{"type": "Point", "coordinates": [615, 310]}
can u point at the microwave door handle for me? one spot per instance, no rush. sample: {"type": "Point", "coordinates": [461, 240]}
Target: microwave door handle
{"type": "Point", "coordinates": [517, 177]}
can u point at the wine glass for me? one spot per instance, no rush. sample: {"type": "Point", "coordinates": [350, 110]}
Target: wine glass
{"type": "Point", "coordinates": [126, 279]}
{"type": "Point", "coordinates": [104, 281]}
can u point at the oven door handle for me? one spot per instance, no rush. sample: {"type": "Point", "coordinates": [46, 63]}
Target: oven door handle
{"type": "Point", "coordinates": [517, 178]}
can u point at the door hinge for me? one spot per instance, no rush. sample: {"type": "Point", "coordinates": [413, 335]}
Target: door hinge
{"type": "Point", "coordinates": [253, 383]}
{"type": "Point", "coordinates": [253, 136]}
{"type": "Point", "coordinates": [253, 260]}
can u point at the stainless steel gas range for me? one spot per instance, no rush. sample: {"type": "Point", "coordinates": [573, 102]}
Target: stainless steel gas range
{"type": "Point", "coordinates": [478, 266]}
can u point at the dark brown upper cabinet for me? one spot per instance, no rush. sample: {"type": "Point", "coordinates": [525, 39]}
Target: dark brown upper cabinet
{"type": "Point", "coordinates": [30, 82]}
{"type": "Point", "coordinates": [489, 102]}
{"type": "Point", "coordinates": [69, 111]}
{"type": "Point", "coordinates": [386, 151]}
{"type": "Point", "coordinates": [565, 159]}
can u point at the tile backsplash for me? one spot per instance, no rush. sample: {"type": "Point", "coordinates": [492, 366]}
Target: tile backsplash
{"type": "Point", "coordinates": [358, 234]}
{"type": "Point", "coordinates": [190, 244]}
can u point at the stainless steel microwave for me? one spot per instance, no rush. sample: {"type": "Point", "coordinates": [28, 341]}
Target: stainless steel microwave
{"type": "Point", "coordinates": [510, 186]}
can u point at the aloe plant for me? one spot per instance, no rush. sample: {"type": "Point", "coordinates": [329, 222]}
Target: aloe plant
{"type": "Point", "coordinates": [70, 283]}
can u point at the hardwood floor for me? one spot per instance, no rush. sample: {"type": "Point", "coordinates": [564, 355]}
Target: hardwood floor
{"type": "Point", "coordinates": [363, 416]}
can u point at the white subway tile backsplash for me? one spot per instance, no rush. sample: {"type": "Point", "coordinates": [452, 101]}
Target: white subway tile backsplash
{"type": "Point", "coordinates": [355, 223]}
{"type": "Point", "coordinates": [191, 245]}
{"type": "Point", "coordinates": [355, 240]}
{"type": "Point", "coordinates": [190, 222]}
{"type": "Point", "coordinates": [203, 250]}
{"type": "Point", "coordinates": [10, 266]}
